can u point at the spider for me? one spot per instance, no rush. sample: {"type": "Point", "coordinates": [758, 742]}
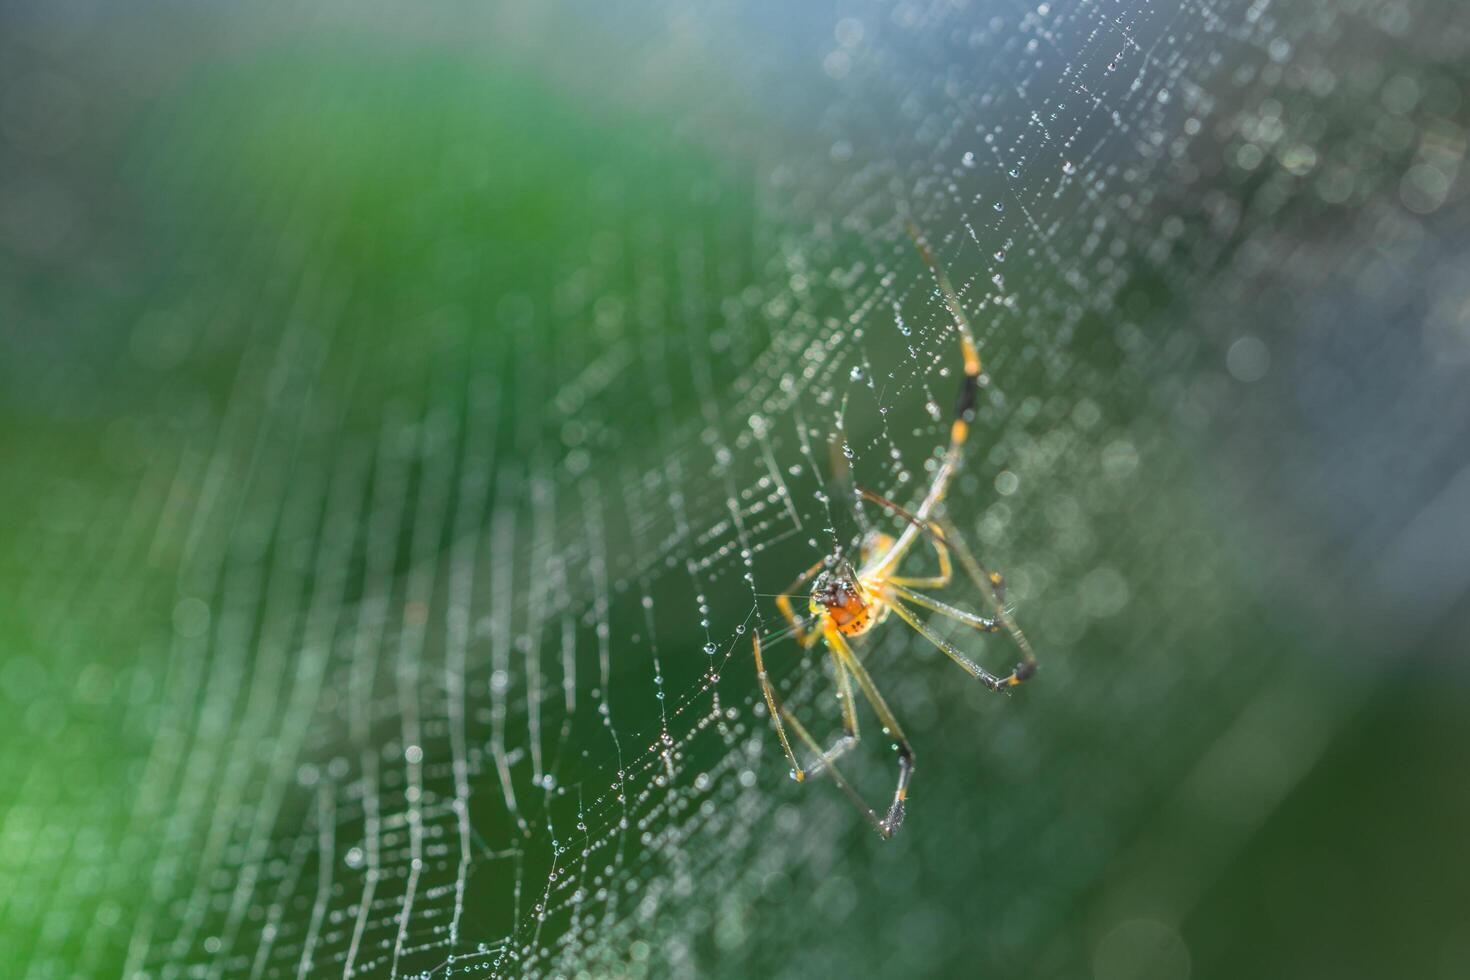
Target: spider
{"type": "Point", "coordinates": [847, 601]}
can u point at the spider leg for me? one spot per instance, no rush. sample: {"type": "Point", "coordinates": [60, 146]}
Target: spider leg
{"type": "Point", "coordinates": [981, 623]}
{"type": "Point", "coordinates": [850, 737]}
{"type": "Point", "coordinates": [850, 734]}
{"type": "Point", "coordinates": [826, 759]}
{"type": "Point", "coordinates": [852, 795]}
{"type": "Point", "coordinates": [945, 536]}
{"type": "Point", "coordinates": [844, 688]}
{"type": "Point", "coordinates": [797, 772]}
{"type": "Point", "coordinates": [964, 414]}
{"type": "Point", "coordinates": [971, 667]}
{"type": "Point", "coordinates": [936, 538]}
{"type": "Point", "coordinates": [890, 823]}
{"type": "Point", "coordinates": [993, 585]}
{"type": "Point", "coordinates": [805, 637]}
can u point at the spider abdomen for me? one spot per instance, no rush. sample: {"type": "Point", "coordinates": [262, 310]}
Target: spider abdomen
{"type": "Point", "coordinates": [850, 623]}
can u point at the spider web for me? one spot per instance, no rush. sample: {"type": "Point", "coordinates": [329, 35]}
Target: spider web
{"type": "Point", "coordinates": [388, 611]}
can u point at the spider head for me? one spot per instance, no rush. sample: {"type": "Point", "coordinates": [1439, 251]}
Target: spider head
{"type": "Point", "coordinates": [838, 595]}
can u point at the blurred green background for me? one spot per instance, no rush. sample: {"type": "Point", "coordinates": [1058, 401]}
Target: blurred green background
{"type": "Point", "coordinates": [407, 415]}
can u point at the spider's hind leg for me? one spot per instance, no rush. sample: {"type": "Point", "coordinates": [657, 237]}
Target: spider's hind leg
{"type": "Point", "coordinates": [985, 624]}
{"type": "Point", "coordinates": [992, 584]}
{"type": "Point", "coordinates": [950, 650]}
{"type": "Point", "coordinates": [779, 712]}
{"type": "Point", "coordinates": [851, 736]}
{"type": "Point", "coordinates": [889, 824]}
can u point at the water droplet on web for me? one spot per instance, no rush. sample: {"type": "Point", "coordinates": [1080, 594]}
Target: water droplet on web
{"type": "Point", "coordinates": [847, 451]}
{"type": "Point", "coordinates": [968, 160]}
{"type": "Point", "coordinates": [1069, 168]}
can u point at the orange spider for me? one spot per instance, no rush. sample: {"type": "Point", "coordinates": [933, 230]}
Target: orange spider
{"type": "Point", "coordinates": [847, 602]}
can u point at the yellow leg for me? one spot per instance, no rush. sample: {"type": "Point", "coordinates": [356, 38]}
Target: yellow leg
{"type": "Point", "coordinates": [981, 623]}
{"type": "Point", "coordinates": [946, 573]}
{"type": "Point", "coordinates": [994, 587]}
{"type": "Point", "coordinates": [804, 637]}
{"type": "Point", "coordinates": [826, 760]}
{"type": "Point", "coordinates": [844, 690]}
{"type": "Point", "coordinates": [971, 667]}
{"type": "Point", "coordinates": [932, 531]}
{"type": "Point", "coordinates": [852, 796]}
{"type": "Point", "coordinates": [850, 734]}
{"type": "Point", "coordinates": [890, 725]}
{"type": "Point", "coordinates": [797, 772]}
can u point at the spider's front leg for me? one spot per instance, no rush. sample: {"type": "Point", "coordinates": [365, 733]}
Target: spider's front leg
{"type": "Point", "coordinates": [804, 637]}
{"type": "Point", "coordinates": [889, 824]}
{"type": "Point", "coordinates": [781, 717]}
{"type": "Point", "coordinates": [777, 710]}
